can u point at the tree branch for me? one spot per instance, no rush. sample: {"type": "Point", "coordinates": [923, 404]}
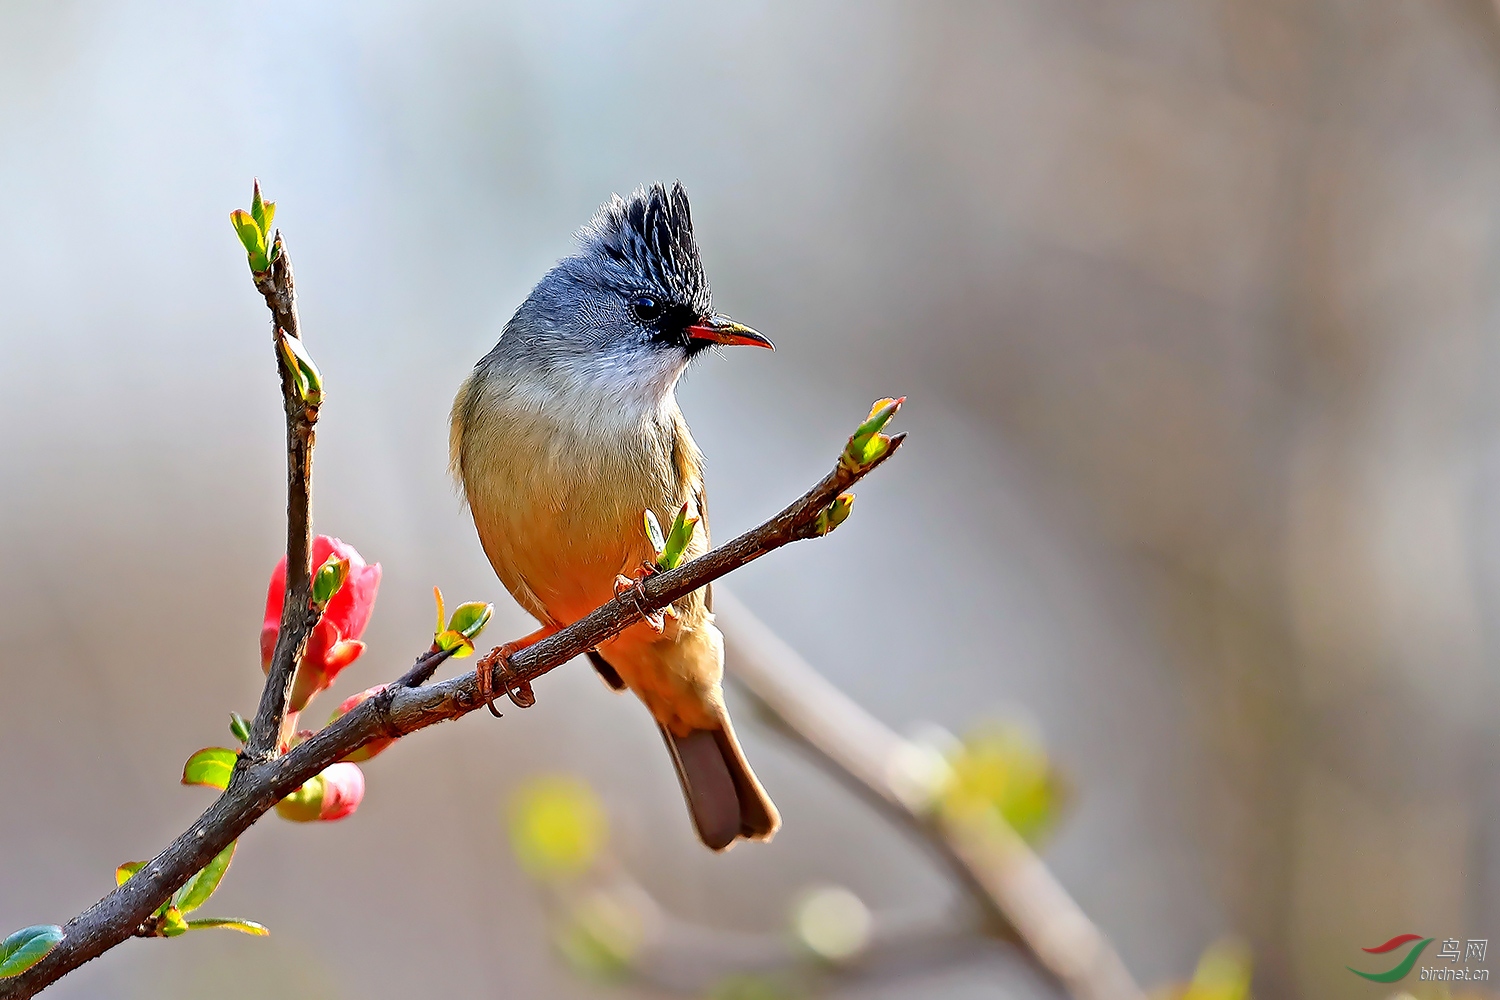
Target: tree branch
{"type": "Point", "coordinates": [260, 783]}
{"type": "Point", "coordinates": [990, 860]}
{"type": "Point", "coordinates": [298, 616]}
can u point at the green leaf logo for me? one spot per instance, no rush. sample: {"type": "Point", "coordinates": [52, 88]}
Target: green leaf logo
{"type": "Point", "coordinates": [1403, 967]}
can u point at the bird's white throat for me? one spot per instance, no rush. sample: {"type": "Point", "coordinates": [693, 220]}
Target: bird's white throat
{"type": "Point", "coordinates": [606, 390]}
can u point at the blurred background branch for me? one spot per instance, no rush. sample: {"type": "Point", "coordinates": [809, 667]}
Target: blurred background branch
{"type": "Point", "coordinates": [618, 931]}
{"type": "Point", "coordinates": [995, 864]}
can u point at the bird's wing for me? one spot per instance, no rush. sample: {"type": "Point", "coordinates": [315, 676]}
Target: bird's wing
{"type": "Point", "coordinates": [700, 497]}
{"type": "Point", "coordinates": [609, 674]}
{"type": "Point", "coordinates": [687, 461]}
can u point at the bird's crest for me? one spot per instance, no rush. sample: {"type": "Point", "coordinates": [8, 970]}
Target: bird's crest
{"type": "Point", "coordinates": [652, 232]}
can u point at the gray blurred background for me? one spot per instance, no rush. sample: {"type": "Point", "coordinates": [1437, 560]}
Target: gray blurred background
{"type": "Point", "coordinates": [1197, 303]}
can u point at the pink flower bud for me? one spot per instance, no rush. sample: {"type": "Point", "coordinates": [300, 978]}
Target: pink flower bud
{"type": "Point", "coordinates": [376, 745]}
{"type": "Point", "coordinates": [334, 643]}
{"type": "Point", "coordinates": [343, 790]}
{"type": "Point", "coordinates": [331, 795]}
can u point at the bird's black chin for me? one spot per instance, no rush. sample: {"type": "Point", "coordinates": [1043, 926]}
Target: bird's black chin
{"type": "Point", "coordinates": [671, 330]}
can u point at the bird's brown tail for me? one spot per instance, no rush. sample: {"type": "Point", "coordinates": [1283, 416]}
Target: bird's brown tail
{"type": "Point", "coordinates": [723, 796]}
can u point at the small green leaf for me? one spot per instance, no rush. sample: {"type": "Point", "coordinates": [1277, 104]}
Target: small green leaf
{"type": "Point", "coordinates": [678, 540]}
{"type": "Point", "coordinates": [26, 947]}
{"type": "Point", "coordinates": [461, 644]}
{"type": "Point", "coordinates": [172, 924]}
{"type": "Point", "coordinates": [195, 892]}
{"type": "Point", "coordinates": [238, 727]}
{"type": "Point", "coordinates": [471, 618]}
{"type": "Point", "coordinates": [437, 595]}
{"type": "Point", "coordinates": [262, 212]}
{"type": "Point", "coordinates": [867, 444]}
{"type": "Point", "coordinates": [129, 868]}
{"type": "Point", "coordinates": [880, 415]}
{"type": "Point", "coordinates": [835, 514]}
{"type": "Point", "coordinates": [329, 579]}
{"type": "Point", "coordinates": [229, 924]}
{"type": "Point", "coordinates": [252, 239]}
{"type": "Point", "coordinates": [838, 511]}
{"type": "Point", "coordinates": [305, 374]}
{"type": "Point", "coordinates": [248, 232]}
{"type": "Point", "coordinates": [210, 767]}
{"type": "Point", "coordinates": [653, 534]}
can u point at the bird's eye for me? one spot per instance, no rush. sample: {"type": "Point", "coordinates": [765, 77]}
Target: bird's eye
{"type": "Point", "coordinates": [646, 307]}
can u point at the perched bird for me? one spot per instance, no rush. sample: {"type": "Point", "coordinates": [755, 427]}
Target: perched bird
{"type": "Point", "coordinates": [566, 433]}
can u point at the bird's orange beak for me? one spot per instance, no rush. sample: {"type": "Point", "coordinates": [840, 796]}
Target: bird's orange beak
{"type": "Point", "coordinates": [720, 329]}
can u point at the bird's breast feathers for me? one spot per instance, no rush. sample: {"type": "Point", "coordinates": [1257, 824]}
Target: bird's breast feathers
{"type": "Point", "coordinates": [558, 492]}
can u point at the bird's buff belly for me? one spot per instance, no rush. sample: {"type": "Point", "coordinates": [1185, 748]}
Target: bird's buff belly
{"type": "Point", "coordinates": [560, 578]}
{"type": "Point", "coordinates": [552, 568]}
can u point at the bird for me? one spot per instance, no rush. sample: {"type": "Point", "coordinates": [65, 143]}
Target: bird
{"type": "Point", "coordinates": [565, 434]}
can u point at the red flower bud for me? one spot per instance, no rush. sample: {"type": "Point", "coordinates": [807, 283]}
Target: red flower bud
{"type": "Point", "coordinates": [331, 795]}
{"type": "Point", "coordinates": [334, 643]}
{"type": "Point", "coordinates": [376, 745]}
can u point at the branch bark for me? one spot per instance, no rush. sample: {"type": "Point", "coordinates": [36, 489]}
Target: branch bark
{"type": "Point", "coordinates": [990, 861]}
{"type": "Point", "coordinates": [298, 616]}
{"type": "Point", "coordinates": [260, 783]}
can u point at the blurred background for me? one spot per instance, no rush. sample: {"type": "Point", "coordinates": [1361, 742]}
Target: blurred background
{"type": "Point", "coordinates": [1197, 305]}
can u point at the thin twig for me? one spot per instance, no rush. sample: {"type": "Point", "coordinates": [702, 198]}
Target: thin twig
{"type": "Point", "coordinates": [397, 711]}
{"type": "Point", "coordinates": [993, 864]}
{"type": "Point", "coordinates": [424, 668]}
{"type": "Point", "coordinates": [298, 616]}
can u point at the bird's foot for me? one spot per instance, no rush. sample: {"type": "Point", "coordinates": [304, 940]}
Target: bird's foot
{"type": "Point", "coordinates": [656, 620]}
{"type": "Point", "coordinates": [516, 687]}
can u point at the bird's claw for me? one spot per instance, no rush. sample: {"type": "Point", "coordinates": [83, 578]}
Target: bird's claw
{"type": "Point", "coordinates": [656, 620]}
{"type": "Point", "coordinates": [517, 688]}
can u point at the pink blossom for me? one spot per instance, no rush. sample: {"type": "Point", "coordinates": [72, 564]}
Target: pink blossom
{"type": "Point", "coordinates": [334, 643]}
{"type": "Point", "coordinates": [343, 790]}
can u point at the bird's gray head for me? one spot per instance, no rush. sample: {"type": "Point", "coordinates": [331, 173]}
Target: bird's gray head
{"type": "Point", "coordinates": [623, 315]}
